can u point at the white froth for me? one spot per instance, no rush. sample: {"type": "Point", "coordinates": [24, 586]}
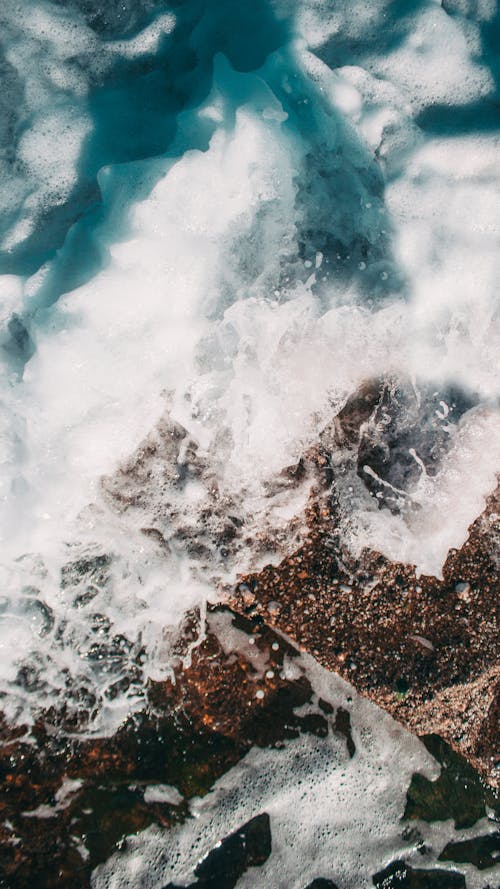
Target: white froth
{"type": "Point", "coordinates": [437, 42]}
{"type": "Point", "coordinates": [330, 816]}
{"type": "Point", "coordinates": [444, 503]}
{"type": "Point", "coordinates": [147, 40]}
{"type": "Point", "coordinates": [162, 793]}
{"type": "Point", "coordinates": [94, 388]}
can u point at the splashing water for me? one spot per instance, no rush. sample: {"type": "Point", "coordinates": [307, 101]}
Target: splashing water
{"type": "Point", "coordinates": [219, 221]}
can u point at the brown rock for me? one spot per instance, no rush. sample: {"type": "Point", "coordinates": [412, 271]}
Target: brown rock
{"type": "Point", "coordinates": [427, 650]}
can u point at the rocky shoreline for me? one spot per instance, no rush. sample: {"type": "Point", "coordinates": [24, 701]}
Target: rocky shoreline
{"type": "Point", "coordinates": [425, 649]}
{"type": "Point", "coordinates": [68, 802]}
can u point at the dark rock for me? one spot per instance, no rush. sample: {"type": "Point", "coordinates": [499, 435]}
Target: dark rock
{"type": "Point", "coordinates": [458, 792]}
{"type": "Point", "coordinates": [403, 420]}
{"type": "Point", "coordinates": [342, 725]}
{"type": "Point", "coordinates": [399, 875]}
{"type": "Point", "coordinates": [320, 883]}
{"type": "Point", "coordinates": [249, 846]}
{"type": "Point", "coordinates": [482, 852]}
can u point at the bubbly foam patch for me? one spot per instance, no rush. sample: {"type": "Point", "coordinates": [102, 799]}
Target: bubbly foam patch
{"type": "Point", "coordinates": [331, 816]}
{"type": "Point", "coordinates": [53, 60]}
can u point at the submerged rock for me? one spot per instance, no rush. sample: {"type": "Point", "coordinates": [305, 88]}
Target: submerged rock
{"type": "Point", "coordinates": [250, 846]}
{"type": "Point", "coordinates": [483, 851]}
{"type": "Point", "coordinates": [403, 876]}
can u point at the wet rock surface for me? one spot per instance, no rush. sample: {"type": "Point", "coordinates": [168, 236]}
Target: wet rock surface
{"type": "Point", "coordinates": [403, 876]}
{"type": "Point", "coordinates": [459, 793]}
{"type": "Point", "coordinates": [483, 852]}
{"type": "Point", "coordinates": [68, 802]}
{"type": "Point", "coordinates": [250, 846]}
{"type": "Point", "coordinates": [425, 649]}
{"type": "Point", "coordinates": [321, 884]}
{"type": "Point", "coordinates": [217, 531]}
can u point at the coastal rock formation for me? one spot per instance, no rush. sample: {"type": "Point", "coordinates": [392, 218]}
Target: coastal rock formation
{"type": "Point", "coordinates": [424, 648]}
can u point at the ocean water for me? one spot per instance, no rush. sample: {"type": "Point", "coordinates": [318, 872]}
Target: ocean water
{"type": "Point", "coordinates": [219, 220]}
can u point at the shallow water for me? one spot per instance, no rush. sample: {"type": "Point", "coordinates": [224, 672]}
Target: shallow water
{"type": "Point", "coordinates": [219, 220]}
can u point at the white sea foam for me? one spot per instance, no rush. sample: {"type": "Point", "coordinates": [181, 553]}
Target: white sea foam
{"type": "Point", "coordinates": [330, 816]}
{"type": "Point", "coordinates": [52, 59]}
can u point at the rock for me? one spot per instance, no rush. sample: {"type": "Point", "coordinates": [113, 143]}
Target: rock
{"type": "Point", "coordinates": [427, 650]}
{"type": "Point", "coordinates": [249, 846]}
{"type": "Point", "coordinates": [483, 852]}
{"type": "Point", "coordinates": [67, 802]}
{"type": "Point", "coordinates": [320, 883]}
{"type": "Point", "coordinates": [399, 875]}
{"type": "Point", "coordinates": [458, 793]}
